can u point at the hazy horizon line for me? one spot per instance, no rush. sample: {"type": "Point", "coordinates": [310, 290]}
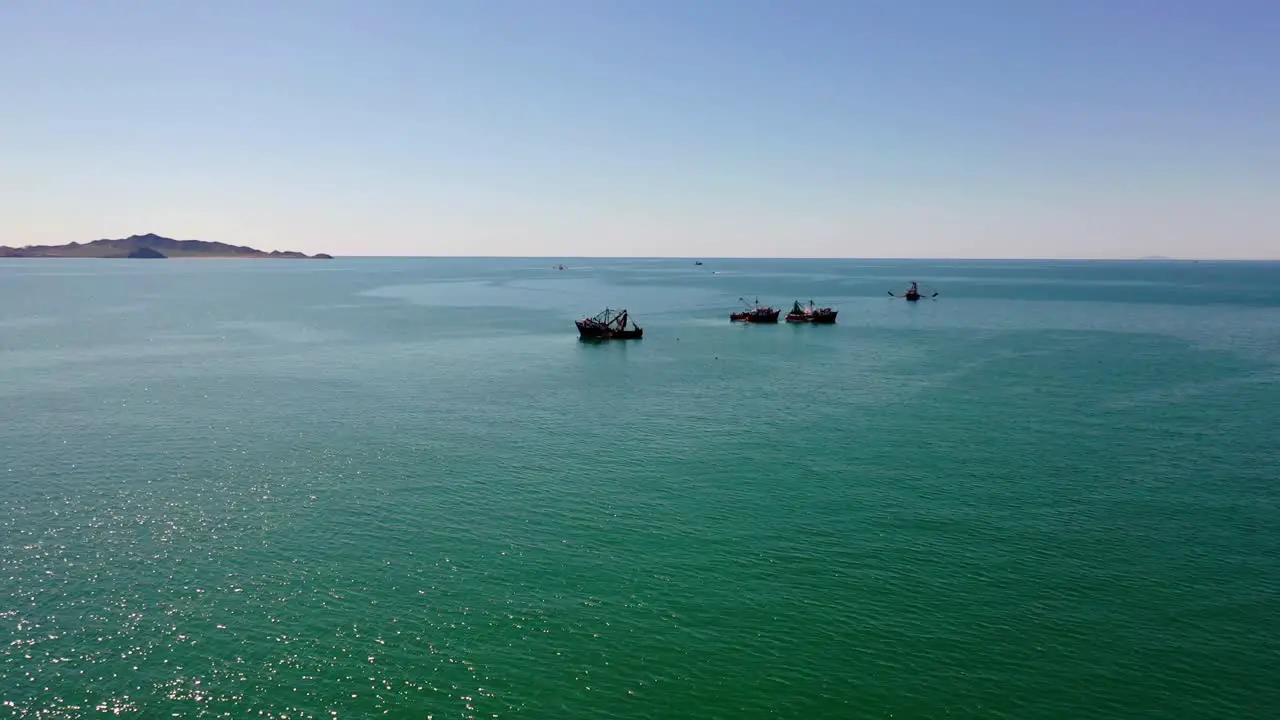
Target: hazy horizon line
{"type": "Point", "coordinates": [555, 258]}
{"type": "Point", "coordinates": [712, 258]}
{"type": "Point", "coordinates": [818, 257]}
{"type": "Point", "coordinates": [1149, 257]}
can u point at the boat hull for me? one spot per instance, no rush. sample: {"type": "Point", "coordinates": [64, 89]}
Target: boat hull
{"type": "Point", "coordinates": [759, 318]}
{"type": "Point", "coordinates": [816, 319]}
{"type": "Point", "coordinates": [595, 332]}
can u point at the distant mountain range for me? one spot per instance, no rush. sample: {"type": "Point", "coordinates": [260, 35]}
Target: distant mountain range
{"type": "Point", "coordinates": [151, 246]}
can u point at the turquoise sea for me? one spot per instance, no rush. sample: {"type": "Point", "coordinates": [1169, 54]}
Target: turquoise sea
{"type": "Point", "coordinates": [403, 488]}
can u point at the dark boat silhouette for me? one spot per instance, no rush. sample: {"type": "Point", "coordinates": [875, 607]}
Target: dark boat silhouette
{"type": "Point", "coordinates": [812, 314]}
{"type": "Point", "coordinates": [913, 293]}
{"type": "Point", "coordinates": [755, 313]}
{"type": "Point", "coordinates": [609, 325]}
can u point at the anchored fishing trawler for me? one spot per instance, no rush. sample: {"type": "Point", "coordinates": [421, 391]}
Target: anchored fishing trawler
{"type": "Point", "coordinates": [609, 325]}
{"type": "Point", "coordinates": [913, 293]}
{"type": "Point", "coordinates": [755, 313]}
{"type": "Point", "coordinates": [812, 314]}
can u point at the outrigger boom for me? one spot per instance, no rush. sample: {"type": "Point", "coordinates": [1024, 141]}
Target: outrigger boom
{"type": "Point", "coordinates": [913, 293]}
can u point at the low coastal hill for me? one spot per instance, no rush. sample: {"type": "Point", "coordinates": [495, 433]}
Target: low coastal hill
{"type": "Point", "coordinates": [152, 246]}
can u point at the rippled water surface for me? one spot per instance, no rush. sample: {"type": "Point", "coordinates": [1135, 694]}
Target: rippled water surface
{"type": "Point", "coordinates": [359, 488]}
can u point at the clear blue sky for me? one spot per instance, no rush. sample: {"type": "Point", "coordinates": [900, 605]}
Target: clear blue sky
{"type": "Point", "coordinates": [862, 128]}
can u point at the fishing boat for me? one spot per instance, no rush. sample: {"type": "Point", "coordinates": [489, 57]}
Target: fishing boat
{"type": "Point", "coordinates": [913, 293]}
{"type": "Point", "coordinates": [755, 313]}
{"type": "Point", "coordinates": [609, 325]}
{"type": "Point", "coordinates": [812, 314]}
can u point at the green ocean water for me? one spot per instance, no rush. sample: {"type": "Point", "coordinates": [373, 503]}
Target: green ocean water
{"type": "Point", "coordinates": [403, 488]}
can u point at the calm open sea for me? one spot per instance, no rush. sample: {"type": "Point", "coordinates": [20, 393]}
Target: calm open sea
{"type": "Point", "coordinates": [402, 487]}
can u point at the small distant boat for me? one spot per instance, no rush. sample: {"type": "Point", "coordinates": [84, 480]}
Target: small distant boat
{"type": "Point", "coordinates": [756, 313]}
{"type": "Point", "coordinates": [811, 314]}
{"type": "Point", "coordinates": [561, 267]}
{"type": "Point", "coordinates": [913, 293]}
{"type": "Point", "coordinates": [697, 262]}
{"type": "Point", "coordinates": [609, 325]}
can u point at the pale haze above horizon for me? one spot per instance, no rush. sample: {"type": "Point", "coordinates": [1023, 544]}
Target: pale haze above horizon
{"type": "Point", "coordinates": [711, 128]}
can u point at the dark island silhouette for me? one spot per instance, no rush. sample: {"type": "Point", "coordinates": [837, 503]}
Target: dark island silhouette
{"type": "Point", "coordinates": [152, 246]}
